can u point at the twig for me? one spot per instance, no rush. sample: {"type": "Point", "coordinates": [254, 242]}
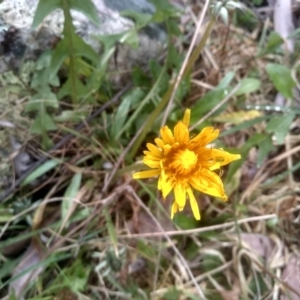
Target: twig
{"type": "Point", "coordinates": [199, 230]}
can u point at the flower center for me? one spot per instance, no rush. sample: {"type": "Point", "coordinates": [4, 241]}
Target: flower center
{"type": "Point", "coordinates": [183, 161]}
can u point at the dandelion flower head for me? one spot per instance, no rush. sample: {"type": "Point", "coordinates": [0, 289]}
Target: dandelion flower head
{"type": "Point", "coordinates": [183, 164]}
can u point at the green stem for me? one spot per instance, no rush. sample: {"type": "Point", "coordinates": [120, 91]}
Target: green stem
{"type": "Point", "coordinates": [68, 34]}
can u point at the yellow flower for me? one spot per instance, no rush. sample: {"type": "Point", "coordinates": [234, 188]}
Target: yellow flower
{"type": "Point", "coordinates": [183, 163]}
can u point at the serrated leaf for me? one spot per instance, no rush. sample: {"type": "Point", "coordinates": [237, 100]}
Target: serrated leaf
{"type": "Point", "coordinates": [80, 89]}
{"type": "Point", "coordinates": [44, 60]}
{"type": "Point", "coordinates": [140, 19]}
{"type": "Point", "coordinates": [45, 98]}
{"type": "Point", "coordinates": [45, 7]}
{"type": "Point", "coordinates": [70, 194]}
{"type": "Point", "coordinates": [40, 171]}
{"type": "Point", "coordinates": [248, 85]}
{"type": "Point", "coordinates": [280, 126]}
{"type": "Point", "coordinates": [43, 122]}
{"type": "Point", "coordinates": [74, 45]}
{"type": "Point", "coordinates": [87, 7]}
{"type": "Point", "coordinates": [237, 117]}
{"type": "Point", "coordinates": [282, 79]}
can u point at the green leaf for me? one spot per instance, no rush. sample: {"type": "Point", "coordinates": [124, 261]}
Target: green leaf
{"type": "Point", "coordinates": [172, 294]}
{"type": "Point", "coordinates": [132, 39]}
{"type": "Point", "coordinates": [43, 122]}
{"type": "Point", "coordinates": [224, 83]}
{"type": "Point", "coordinates": [164, 10]}
{"type": "Point", "coordinates": [274, 42]}
{"type": "Point", "coordinates": [40, 171]}
{"type": "Point", "coordinates": [87, 7]}
{"type": "Point", "coordinates": [211, 261]}
{"type": "Point", "coordinates": [44, 98]}
{"type": "Point", "coordinates": [70, 116]}
{"type": "Point", "coordinates": [140, 19]}
{"type": "Point", "coordinates": [248, 85]}
{"type": "Point", "coordinates": [208, 102]}
{"type": "Point", "coordinates": [41, 125]}
{"type": "Point", "coordinates": [212, 98]}
{"type": "Point", "coordinates": [45, 7]}
{"type": "Point", "coordinates": [70, 194]}
{"type": "Point", "coordinates": [282, 79]}
{"type": "Point", "coordinates": [81, 90]}
{"type": "Point", "coordinates": [121, 115]}
{"type": "Point", "coordinates": [280, 126]}
{"type": "Point", "coordinates": [111, 228]}
{"type": "Point", "coordinates": [244, 125]}
{"type": "Point", "coordinates": [185, 222]}
{"type": "Point", "coordinates": [74, 45]}
{"type": "Point", "coordinates": [110, 41]}
{"type": "Point", "coordinates": [265, 147]}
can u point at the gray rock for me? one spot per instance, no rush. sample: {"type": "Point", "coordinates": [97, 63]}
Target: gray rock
{"type": "Point", "coordinates": [17, 15]}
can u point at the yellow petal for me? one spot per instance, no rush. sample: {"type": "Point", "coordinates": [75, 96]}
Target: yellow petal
{"type": "Point", "coordinates": [146, 174]}
{"type": "Point", "coordinates": [215, 166]}
{"type": "Point", "coordinates": [180, 195]}
{"type": "Point", "coordinates": [206, 159]}
{"type": "Point", "coordinates": [166, 149]}
{"type": "Point", "coordinates": [167, 135]}
{"type": "Point", "coordinates": [152, 155]}
{"type": "Point", "coordinates": [180, 208]}
{"type": "Point", "coordinates": [174, 209]}
{"type": "Point", "coordinates": [150, 162]}
{"type": "Point", "coordinates": [194, 204]}
{"type": "Point", "coordinates": [181, 133]}
{"type": "Point", "coordinates": [224, 157]}
{"type": "Point", "coordinates": [159, 142]}
{"type": "Point", "coordinates": [186, 117]}
{"type": "Point", "coordinates": [207, 135]}
{"type": "Point", "coordinates": [208, 182]}
{"type": "Point", "coordinates": [154, 150]}
{"type": "Point", "coordinates": [165, 184]}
